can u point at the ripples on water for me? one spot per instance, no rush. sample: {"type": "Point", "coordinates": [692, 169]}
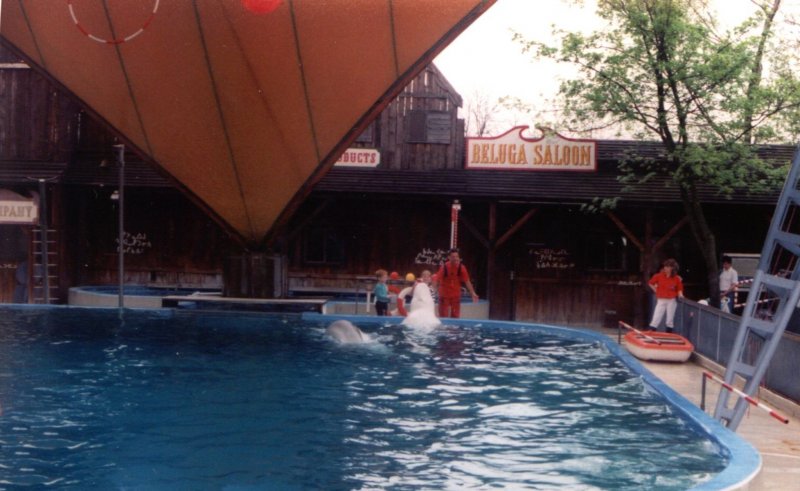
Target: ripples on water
{"type": "Point", "coordinates": [188, 401]}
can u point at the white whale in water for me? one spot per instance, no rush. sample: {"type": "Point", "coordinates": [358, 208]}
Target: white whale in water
{"type": "Point", "coordinates": [422, 311]}
{"type": "Point", "coordinates": [344, 332]}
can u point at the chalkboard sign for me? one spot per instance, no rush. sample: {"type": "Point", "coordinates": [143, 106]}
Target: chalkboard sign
{"type": "Point", "coordinates": [552, 258]}
{"type": "Point", "coordinates": [430, 256]}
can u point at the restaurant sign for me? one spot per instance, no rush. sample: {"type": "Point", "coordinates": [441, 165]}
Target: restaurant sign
{"type": "Point", "coordinates": [17, 209]}
{"type": "Point", "coordinates": [359, 157]}
{"type": "Point", "coordinates": [513, 151]}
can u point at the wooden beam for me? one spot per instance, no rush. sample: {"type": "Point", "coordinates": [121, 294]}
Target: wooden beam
{"type": "Point", "coordinates": [474, 231]}
{"type": "Point", "coordinates": [514, 228]}
{"type": "Point", "coordinates": [625, 230]}
{"type": "Point", "coordinates": [492, 221]}
{"type": "Point", "coordinates": [292, 234]}
{"type": "Point", "coordinates": [663, 240]}
{"type": "Point", "coordinates": [491, 256]}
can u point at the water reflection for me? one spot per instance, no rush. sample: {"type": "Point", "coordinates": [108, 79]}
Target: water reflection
{"type": "Point", "coordinates": [266, 402]}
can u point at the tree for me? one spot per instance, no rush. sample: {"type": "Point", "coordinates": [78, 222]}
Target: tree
{"type": "Point", "coordinates": [480, 114]}
{"type": "Point", "coordinates": [662, 70]}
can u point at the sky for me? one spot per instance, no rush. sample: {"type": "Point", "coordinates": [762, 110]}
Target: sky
{"type": "Point", "coordinates": [485, 60]}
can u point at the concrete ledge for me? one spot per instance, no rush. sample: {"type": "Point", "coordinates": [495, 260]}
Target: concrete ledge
{"type": "Point", "coordinates": [238, 303]}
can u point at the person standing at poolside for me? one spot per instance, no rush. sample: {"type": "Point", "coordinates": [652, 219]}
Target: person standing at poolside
{"type": "Point", "coordinates": [667, 286]}
{"type": "Point", "coordinates": [381, 292]}
{"type": "Point", "coordinates": [728, 284]}
{"type": "Point", "coordinates": [449, 278]}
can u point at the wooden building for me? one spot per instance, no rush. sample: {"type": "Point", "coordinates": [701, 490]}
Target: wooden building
{"type": "Point", "coordinates": [55, 155]}
{"type": "Point", "coordinates": [532, 247]}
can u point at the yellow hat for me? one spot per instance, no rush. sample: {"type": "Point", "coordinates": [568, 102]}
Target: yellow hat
{"type": "Point", "coordinates": [410, 277]}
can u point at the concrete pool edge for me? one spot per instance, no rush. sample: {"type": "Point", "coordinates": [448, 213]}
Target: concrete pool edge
{"type": "Point", "coordinates": [744, 460]}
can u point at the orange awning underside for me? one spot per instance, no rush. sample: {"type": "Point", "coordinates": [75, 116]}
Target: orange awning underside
{"type": "Point", "coordinates": [245, 109]}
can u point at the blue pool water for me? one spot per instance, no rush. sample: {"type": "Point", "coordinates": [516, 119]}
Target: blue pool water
{"type": "Point", "coordinates": [186, 400]}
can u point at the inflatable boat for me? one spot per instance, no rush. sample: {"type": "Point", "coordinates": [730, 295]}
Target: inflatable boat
{"type": "Point", "coordinates": [658, 346]}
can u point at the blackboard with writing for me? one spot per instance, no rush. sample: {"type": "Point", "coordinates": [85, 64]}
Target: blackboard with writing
{"type": "Point", "coordinates": [552, 258]}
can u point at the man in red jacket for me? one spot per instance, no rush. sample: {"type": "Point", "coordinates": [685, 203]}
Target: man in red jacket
{"type": "Point", "coordinates": [449, 278]}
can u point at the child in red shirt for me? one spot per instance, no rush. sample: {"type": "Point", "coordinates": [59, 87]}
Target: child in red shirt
{"type": "Point", "coordinates": [667, 286]}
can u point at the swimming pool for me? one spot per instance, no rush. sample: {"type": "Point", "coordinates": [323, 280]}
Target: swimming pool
{"type": "Point", "coordinates": [167, 399]}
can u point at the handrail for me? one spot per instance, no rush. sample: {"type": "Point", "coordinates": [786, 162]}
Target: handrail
{"type": "Point", "coordinates": [751, 400]}
{"type": "Point", "coordinates": [649, 338]}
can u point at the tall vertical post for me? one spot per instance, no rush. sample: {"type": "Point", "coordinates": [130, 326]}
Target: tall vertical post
{"type": "Point", "coordinates": [43, 225]}
{"type": "Point", "coordinates": [454, 209]}
{"type": "Point", "coordinates": [121, 239]}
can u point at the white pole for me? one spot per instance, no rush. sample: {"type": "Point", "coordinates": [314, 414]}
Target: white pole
{"type": "Point", "coordinates": [454, 209]}
{"type": "Point", "coordinates": [121, 254]}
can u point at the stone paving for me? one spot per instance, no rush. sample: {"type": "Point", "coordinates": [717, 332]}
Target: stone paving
{"type": "Point", "coordinates": [778, 443]}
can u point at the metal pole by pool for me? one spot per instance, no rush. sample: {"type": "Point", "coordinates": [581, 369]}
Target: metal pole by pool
{"type": "Point", "coordinates": [121, 243]}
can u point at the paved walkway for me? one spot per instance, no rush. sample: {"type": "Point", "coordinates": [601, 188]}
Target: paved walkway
{"type": "Point", "coordinates": [778, 443]}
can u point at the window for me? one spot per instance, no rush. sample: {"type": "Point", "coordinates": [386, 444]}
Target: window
{"type": "Point", "coordinates": [606, 252]}
{"type": "Point", "coordinates": [429, 127]}
{"type": "Point", "coordinates": [368, 135]}
{"type": "Point", "coordinates": [323, 246]}
{"type": "Point", "coordinates": [13, 243]}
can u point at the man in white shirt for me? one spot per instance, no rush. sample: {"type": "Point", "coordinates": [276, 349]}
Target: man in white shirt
{"type": "Point", "coordinates": [728, 284]}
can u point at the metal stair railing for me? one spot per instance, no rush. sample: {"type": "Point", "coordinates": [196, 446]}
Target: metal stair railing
{"type": "Point", "coordinates": [773, 298]}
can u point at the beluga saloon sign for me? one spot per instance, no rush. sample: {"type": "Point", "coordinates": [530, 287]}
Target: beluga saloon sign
{"type": "Point", "coordinates": [513, 151]}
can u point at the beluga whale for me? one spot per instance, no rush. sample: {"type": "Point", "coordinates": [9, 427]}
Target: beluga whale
{"type": "Point", "coordinates": [344, 332]}
{"type": "Point", "coordinates": [422, 312]}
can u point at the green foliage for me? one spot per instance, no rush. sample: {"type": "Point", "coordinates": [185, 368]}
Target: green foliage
{"type": "Point", "coordinates": [661, 71]}
{"type": "Point", "coordinates": [599, 205]}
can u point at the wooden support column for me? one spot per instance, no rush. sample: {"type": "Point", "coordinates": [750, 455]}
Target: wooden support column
{"type": "Point", "coordinates": [647, 250]}
{"type": "Point", "coordinates": [492, 244]}
{"type": "Point", "coordinates": [255, 275]}
{"type": "Point", "coordinates": [491, 260]}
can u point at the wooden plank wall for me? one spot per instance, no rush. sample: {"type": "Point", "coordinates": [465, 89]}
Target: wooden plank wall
{"type": "Point", "coordinates": [579, 303]}
{"type": "Point", "coordinates": [384, 234]}
{"type": "Point", "coordinates": [429, 91]}
{"type": "Point", "coordinates": [7, 281]}
{"type": "Point", "coordinates": [169, 241]}
{"type": "Point", "coordinates": [37, 122]}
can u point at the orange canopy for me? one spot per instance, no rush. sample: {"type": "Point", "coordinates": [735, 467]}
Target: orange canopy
{"type": "Point", "coordinates": [244, 102]}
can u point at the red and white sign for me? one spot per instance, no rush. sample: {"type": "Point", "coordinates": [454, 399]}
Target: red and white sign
{"type": "Point", "coordinates": [359, 157]}
{"type": "Point", "coordinates": [513, 151]}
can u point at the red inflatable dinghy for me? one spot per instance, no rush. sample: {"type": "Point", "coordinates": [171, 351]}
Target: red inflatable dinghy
{"type": "Point", "coordinates": [658, 346]}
